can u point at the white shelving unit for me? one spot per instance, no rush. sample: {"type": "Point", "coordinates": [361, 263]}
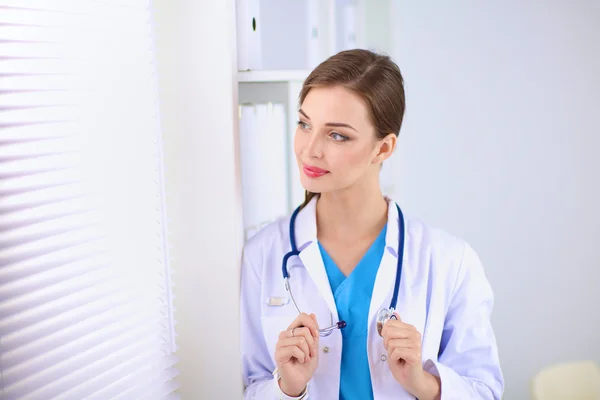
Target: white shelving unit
{"type": "Point", "coordinates": [281, 87]}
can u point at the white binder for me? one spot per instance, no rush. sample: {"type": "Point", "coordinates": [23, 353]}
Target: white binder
{"type": "Point", "coordinates": [248, 33]}
{"type": "Point", "coordinates": [263, 155]}
{"type": "Point", "coordinates": [280, 34]}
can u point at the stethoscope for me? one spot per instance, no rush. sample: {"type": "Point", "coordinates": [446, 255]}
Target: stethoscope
{"type": "Point", "coordinates": [385, 313]}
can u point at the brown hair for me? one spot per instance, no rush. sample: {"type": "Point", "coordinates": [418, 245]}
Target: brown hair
{"type": "Point", "coordinates": [374, 77]}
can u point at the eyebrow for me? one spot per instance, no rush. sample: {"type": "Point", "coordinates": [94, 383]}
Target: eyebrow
{"type": "Point", "coordinates": [334, 124]}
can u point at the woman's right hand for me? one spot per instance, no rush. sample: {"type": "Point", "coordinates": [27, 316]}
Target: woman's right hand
{"type": "Point", "coordinates": [297, 355]}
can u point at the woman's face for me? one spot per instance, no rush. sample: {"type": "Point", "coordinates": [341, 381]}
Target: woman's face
{"type": "Point", "coordinates": [335, 142]}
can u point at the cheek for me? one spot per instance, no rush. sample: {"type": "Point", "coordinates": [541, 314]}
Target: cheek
{"type": "Point", "coordinates": [352, 158]}
{"type": "Point", "coordinates": [297, 142]}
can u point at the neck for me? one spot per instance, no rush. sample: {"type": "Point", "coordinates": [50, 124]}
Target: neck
{"type": "Point", "coordinates": [351, 214]}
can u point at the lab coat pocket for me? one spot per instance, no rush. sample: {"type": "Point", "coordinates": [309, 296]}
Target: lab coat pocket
{"type": "Point", "coordinates": [272, 327]}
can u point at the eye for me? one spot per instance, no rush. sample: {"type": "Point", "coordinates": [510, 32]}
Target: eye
{"type": "Point", "coordinates": [303, 125]}
{"type": "Point", "coordinates": [338, 137]}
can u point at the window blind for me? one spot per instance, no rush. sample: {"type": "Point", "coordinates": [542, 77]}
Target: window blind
{"type": "Point", "coordinates": [85, 291]}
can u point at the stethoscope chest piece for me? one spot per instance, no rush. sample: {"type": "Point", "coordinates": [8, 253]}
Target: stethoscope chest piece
{"type": "Point", "coordinates": [383, 316]}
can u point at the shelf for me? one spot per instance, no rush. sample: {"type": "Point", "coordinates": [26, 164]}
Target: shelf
{"type": "Point", "coordinates": [273, 75]}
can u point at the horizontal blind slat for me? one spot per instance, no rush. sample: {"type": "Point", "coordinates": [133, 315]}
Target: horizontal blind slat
{"type": "Point", "coordinates": [59, 84]}
{"type": "Point", "coordinates": [71, 51]}
{"type": "Point", "coordinates": [32, 149]}
{"type": "Point", "coordinates": [49, 89]}
{"type": "Point", "coordinates": [32, 266]}
{"type": "Point", "coordinates": [58, 5]}
{"type": "Point", "coordinates": [28, 216]}
{"type": "Point", "coordinates": [41, 246]}
{"type": "Point", "coordinates": [53, 104]}
{"type": "Point", "coordinates": [134, 32]}
{"type": "Point", "coordinates": [61, 306]}
{"type": "Point", "coordinates": [39, 181]}
{"type": "Point", "coordinates": [51, 114]}
{"type": "Point", "coordinates": [29, 302]}
{"type": "Point", "coordinates": [21, 33]}
{"type": "Point", "coordinates": [147, 370]}
{"type": "Point", "coordinates": [39, 67]}
{"type": "Point", "coordinates": [32, 132]}
{"type": "Point", "coordinates": [59, 378]}
{"type": "Point", "coordinates": [64, 385]}
{"type": "Point", "coordinates": [57, 101]}
{"type": "Point", "coordinates": [82, 12]}
{"type": "Point", "coordinates": [47, 276]}
{"type": "Point", "coordinates": [38, 198]}
{"type": "Point", "coordinates": [40, 230]}
{"type": "Point", "coordinates": [23, 166]}
{"type": "Point", "coordinates": [168, 390]}
{"type": "Point", "coordinates": [122, 332]}
{"type": "Point", "coordinates": [17, 27]}
{"type": "Point", "coordinates": [19, 351]}
{"type": "Point", "coordinates": [82, 318]}
{"type": "Point", "coordinates": [132, 387]}
{"type": "Point", "coordinates": [44, 67]}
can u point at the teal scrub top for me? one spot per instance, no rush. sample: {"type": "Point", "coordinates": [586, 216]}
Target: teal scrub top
{"type": "Point", "coordinates": [352, 296]}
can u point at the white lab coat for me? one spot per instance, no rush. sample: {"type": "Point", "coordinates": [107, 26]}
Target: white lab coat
{"type": "Point", "coordinates": [444, 293]}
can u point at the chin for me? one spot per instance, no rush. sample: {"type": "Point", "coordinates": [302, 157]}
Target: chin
{"type": "Point", "coordinates": [311, 186]}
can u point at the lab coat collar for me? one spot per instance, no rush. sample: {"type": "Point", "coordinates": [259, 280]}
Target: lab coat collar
{"type": "Point", "coordinates": [310, 255]}
{"type": "Point", "coordinates": [386, 274]}
{"type": "Point", "coordinates": [306, 225]}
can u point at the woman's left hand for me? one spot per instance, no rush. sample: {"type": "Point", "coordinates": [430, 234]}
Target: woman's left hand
{"type": "Point", "coordinates": [403, 345]}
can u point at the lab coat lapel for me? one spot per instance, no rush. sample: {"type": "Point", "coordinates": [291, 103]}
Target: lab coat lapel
{"type": "Point", "coordinates": [310, 255]}
{"type": "Point", "coordinates": [386, 275]}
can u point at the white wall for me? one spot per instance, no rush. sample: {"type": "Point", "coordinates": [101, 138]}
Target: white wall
{"type": "Point", "coordinates": [199, 107]}
{"type": "Point", "coordinates": [500, 146]}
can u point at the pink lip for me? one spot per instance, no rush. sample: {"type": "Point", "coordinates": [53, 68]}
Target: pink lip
{"type": "Point", "coordinates": [313, 172]}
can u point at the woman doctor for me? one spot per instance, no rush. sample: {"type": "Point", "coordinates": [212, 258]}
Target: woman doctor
{"type": "Point", "coordinates": [349, 253]}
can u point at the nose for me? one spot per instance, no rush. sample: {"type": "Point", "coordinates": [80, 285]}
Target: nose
{"type": "Point", "coordinates": [314, 147]}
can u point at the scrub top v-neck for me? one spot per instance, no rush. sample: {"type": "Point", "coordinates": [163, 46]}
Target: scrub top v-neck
{"type": "Point", "coordinates": [352, 296]}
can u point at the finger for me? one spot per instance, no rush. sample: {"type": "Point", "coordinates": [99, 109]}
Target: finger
{"type": "Point", "coordinates": [397, 333]}
{"type": "Point", "coordinates": [396, 323]}
{"type": "Point", "coordinates": [286, 354]}
{"type": "Point", "coordinates": [387, 339]}
{"type": "Point", "coordinates": [410, 356]}
{"type": "Point", "coordinates": [410, 335]}
{"type": "Point", "coordinates": [397, 326]}
{"type": "Point", "coordinates": [307, 321]}
{"type": "Point", "coordinates": [403, 344]}
{"type": "Point", "coordinates": [307, 335]}
{"type": "Point", "coordinates": [298, 341]}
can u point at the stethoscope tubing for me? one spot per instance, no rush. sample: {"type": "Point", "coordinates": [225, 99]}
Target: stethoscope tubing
{"type": "Point", "coordinates": [294, 252]}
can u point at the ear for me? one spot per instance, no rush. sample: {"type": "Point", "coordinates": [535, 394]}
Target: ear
{"type": "Point", "coordinates": [385, 148]}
